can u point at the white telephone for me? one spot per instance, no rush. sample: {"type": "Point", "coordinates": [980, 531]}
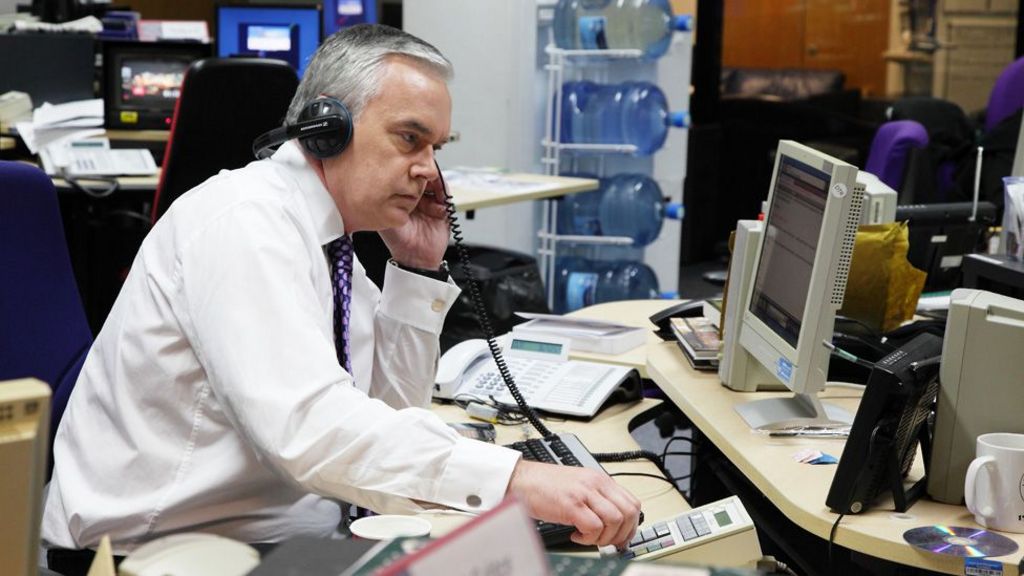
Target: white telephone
{"type": "Point", "coordinates": [548, 380]}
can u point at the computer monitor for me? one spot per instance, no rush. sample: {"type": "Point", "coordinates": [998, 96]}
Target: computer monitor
{"type": "Point", "coordinates": [24, 431]}
{"type": "Point", "coordinates": [891, 422]}
{"type": "Point", "coordinates": [339, 14]}
{"type": "Point", "coordinates": [289, 32]}
{"type": "Point", "coordinates": [981, 381]}
{"type": "Point", "coordinates": [798, 282]}
{"type": "Point", "coordinates": [941, 235]}
{"type": "Point", "coordinates": [142, 81]}
{"type": "Point", "coordinates": [54, 68]}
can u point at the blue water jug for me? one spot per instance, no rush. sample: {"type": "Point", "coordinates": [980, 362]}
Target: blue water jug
{"type": "Point", "coordinates": [634, 113]}
{"type": "Point", "coordinates": [580, 282]}
{"type": "Point", "coordinates": [645, 25]}
{"type": "Point", "coordinates": [575, 96]}
{"type": "Point", "coordinates": [629, 205]}
{"type": "Point", "coordinates": [578, 213]}
{"type": "Point", "coordinates": [632, 205]}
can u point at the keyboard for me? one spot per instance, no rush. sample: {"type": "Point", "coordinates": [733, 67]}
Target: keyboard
{"type": "Point", "coordinates": [564, 449]}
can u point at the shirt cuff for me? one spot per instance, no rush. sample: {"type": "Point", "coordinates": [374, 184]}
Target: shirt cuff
{"type": "Point", "coordinates": [477, 475]}
{"type": "Point", "coordinates": [416, 300]}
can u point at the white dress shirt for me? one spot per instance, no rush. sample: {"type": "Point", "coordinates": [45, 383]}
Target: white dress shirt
{"type": "Point", "coordinates": [212, 399]}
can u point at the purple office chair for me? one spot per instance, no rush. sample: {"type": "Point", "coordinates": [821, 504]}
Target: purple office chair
{"type": "Point", "coordinates": [1007, 95]}
{"type": "Point", "coordinates": [891, 148]}
{"type": "Point", "coordinates": [43, 329]}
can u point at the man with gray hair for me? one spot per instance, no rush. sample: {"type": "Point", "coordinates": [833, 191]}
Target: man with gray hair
{"type": "Point", "coordinates": [250, 376]}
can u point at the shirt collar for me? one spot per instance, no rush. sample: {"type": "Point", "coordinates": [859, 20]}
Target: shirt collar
{"type": "Point", "coordinates": [326, 218]}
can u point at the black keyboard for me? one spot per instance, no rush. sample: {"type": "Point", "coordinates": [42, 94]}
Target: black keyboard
{"type": "Point", "coordinates": [565, 449]}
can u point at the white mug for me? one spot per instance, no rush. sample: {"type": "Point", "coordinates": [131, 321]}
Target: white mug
{"type": "Point", "coordinates": [994, 486]}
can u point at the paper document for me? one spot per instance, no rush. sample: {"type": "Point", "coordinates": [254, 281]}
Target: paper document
{"type": "Point", "coordinates": [82, 113]}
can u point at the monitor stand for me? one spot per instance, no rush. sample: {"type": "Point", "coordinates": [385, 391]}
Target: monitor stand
{"type": "Point", "coordinates": [796, 411]}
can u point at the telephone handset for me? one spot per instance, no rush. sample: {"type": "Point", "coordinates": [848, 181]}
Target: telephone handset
{"type": "Point", "coordinates": [548, 380]}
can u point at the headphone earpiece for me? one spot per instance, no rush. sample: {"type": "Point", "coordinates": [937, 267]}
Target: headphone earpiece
{"type": "Point", "coordinates": [325, 143]}
{"type": "Point", "coordinates": [324, 129]}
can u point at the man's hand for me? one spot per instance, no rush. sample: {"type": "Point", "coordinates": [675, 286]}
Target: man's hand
{"type": "Point", "coordinates": [602, 511]}
{"type": "Point", "coordinates": [421, 242]}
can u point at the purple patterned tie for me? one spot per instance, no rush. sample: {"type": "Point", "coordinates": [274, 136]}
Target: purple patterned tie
{"type": "Point", "coordinates": [340, 254]}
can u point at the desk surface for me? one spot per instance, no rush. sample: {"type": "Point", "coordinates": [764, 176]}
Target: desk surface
{"type": "Point", "coordinates": [799, 490]}
{"type": "Point", "coordinates": [464, 198]}
{"type": "Point", "coordinates": [606, 432]}
{"type": "Point", "coordinates": [469, 197]}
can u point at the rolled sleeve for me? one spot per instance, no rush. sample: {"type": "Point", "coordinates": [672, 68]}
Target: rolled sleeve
{"type": "Point", "coordinates": [416, 300]}
{"type": "Point", "coordinates": [477, 475]}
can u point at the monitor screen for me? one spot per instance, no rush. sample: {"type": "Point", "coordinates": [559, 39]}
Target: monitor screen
{"type": "Point", "coordinates": [142, 81]}
{"type": "Point", "coordinates": [796, 285]}
{"type": "Point", "coordinates": [790, 243]}
{"type": "Point", "coordinates": [339, 14]}
{"type": "Point", "coordinates": [149, 82]}
{"type": "Point", "coordinates": [291, 33]}
{"type": "Point", "coordinates": [68, 59]}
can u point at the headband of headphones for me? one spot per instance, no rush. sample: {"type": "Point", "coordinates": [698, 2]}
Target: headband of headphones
{"type": "Point", "coordinates": [324, 129]}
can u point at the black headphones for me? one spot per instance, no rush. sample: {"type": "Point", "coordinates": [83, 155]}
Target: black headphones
{"type": "Point", "coordinates": [324, 128]}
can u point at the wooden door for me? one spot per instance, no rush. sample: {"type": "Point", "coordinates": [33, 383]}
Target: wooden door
{"type": "Point", "coordinates": [849, 35]}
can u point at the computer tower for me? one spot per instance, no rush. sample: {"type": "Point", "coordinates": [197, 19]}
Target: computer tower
{"type": "Point", "coordinates": [982, 384]}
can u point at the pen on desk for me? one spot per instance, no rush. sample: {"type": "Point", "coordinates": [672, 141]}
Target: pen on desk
{"type": "Point", "coordinates": [818, 433]}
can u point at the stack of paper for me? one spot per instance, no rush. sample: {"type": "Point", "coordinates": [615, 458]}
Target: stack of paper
{"type": "Point", "coordinates": [53, 123]}
{"type": "Point", "coordinates": [584, 334]}
{"type": "Point", "coordinates": [65, 136]}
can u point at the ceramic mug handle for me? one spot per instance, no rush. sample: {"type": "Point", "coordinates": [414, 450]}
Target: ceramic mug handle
{"type": "Point", "coordinates": [970, 496]}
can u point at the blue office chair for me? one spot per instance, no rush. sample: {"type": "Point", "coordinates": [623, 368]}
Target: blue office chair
{"type": "Point", "coordinates": [43, 329]}
{"type": "Point", "coordinates": [891, 148]}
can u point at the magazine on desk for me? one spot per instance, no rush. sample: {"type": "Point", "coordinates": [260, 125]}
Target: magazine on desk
{"type": "Point", "coordinates": [699, 341]}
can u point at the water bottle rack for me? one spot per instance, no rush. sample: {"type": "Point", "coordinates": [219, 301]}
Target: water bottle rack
{"type": "Point", "coordinates": [551, 159]}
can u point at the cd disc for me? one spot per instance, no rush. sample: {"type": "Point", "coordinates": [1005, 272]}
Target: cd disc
{"type": "Point", "coordinates": [960, 541]}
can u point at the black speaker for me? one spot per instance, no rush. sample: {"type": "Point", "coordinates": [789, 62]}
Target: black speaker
{"type": "Point", "coordinates": [324, 129]}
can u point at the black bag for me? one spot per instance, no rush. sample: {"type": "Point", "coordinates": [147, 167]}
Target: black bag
{"type": "Point", "coordinates": [508, 281]}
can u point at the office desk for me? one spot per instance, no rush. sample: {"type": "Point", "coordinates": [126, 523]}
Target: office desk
{"type": "Point", "coordinates": [465, 198]}
{"type": "Point", "coordinates": [797, 490]}
{"type": "Point", "coordinates": [473, 198]}
{"type": "Point", "coordinates": [608, 431]}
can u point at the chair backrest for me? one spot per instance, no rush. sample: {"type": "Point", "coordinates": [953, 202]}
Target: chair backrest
{"type": "Point", "coordinates": [43, 329]}
{"type": "Point", "coordinates": [1007, 95]}
{"type": "Point", "coordinates": [950, 137]}
{"type": "Point", "coordinates": [225, 104]}
{"type": "Point", "coordinates": [890, 150]}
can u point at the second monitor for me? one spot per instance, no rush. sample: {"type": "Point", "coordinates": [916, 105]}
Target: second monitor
{"type": "Point", "coordinates": [285, 32]}
{"type": "Point", "coordinates": [797, 285]}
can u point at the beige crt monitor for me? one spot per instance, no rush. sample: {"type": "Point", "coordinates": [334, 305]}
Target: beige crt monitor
{"type": "Point", "coordinates": [24, 433]}
{"type": "Point", "coordinates": [981, 384]}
